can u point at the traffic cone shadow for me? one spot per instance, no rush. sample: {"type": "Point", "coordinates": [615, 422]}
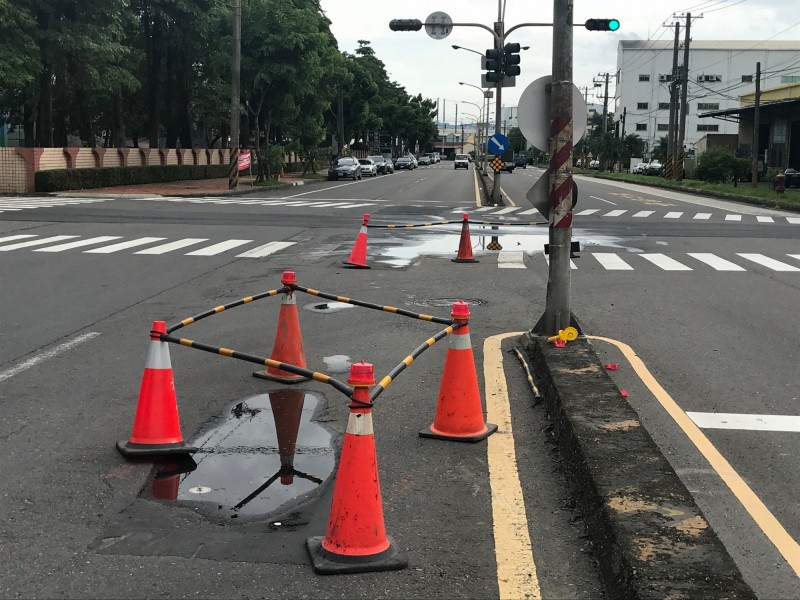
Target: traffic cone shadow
{"type": "Point", "coordinates": [465, 243]}
{"type": "Point", "coordinates": [459, 414]}
{"type": "Point", "coordinates": [287, 409]}
{"type": "Point", "coordinates": [358, 256]}
{"type": "Point", "coordinates": [156, 427]}
{"type": "Point", "coordinates": [166, 482]}
{"type": "Point", "coordinates": [288, 346]}
{"type": "Point", "coordinates": [356, 540]}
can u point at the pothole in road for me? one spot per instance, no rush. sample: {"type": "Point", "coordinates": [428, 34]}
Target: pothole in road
{"type": "Point", "coordinates": [264, 455]}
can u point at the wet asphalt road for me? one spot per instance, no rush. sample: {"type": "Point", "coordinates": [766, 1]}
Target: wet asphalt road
{"type": "Point", "coordinates": [80, 521]}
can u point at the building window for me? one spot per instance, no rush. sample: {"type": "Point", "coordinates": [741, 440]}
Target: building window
{"type": "Point", "coordinates": [663, 78]}
{"type": "Point", "coordinates": [663, 126]}
{"type": "Point", "coordinates": [641, 105]}
{"type": "Point", "coordinates": [708, 106]}
{"type": "Point", "coordinates": [644, 77]}
{"type": "Point", "coordinates": [747, 79]}
{"type": "Point", "coordinates": [709, 78]}
{"type": "Point", "coordinates": [641, 127]}
{"type": "Point", "coordinates": [663, 106]}
{"type": "Point", "coordinates": [790, 78]}
{"type": "Point", "coordinates": [708, 128]}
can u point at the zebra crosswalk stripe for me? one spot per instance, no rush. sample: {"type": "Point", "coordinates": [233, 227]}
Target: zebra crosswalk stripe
{"type": "Point", "coordinates": [41, 242]}
{"type": "Point", "coordinates": [15, 237]}
{"type": "Point", "coordinates": [733, 217]}
{"type": "Point", "coordinates": [78, 244]}
{"type": "Point", "coordinates": [611, 261]}
{"type": "Point", "coordinates": [265, 250]}
{"type": "Point", "coordinates": [702, 216]}
{"type": "Point", "coordinates": [644, 213]}
{"type": "Point", "coordinates": [716, 262]}
{"type": "Point", "coordinates": [123, 245]}
{"type": "Point", "coordinates": [218, 248]}
{"type": "Point", "coordinates": [764, 261]}
{"type": "Point", "coordinates": [511, 259]}
{"type": "Point", "coordinates": [673, 215]}
{"type": "Point", "coordinates": [765, 219]}
{"type": "Point", "coordinates": [588, 211]}
{"type": "Point", "coordinates": [665, 262]}
{"type": "Point", "coordinates": [169, 247]}
{"type": "Point", "coordinates": [615, 213]}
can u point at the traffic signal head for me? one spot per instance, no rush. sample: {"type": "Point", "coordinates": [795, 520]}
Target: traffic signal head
{"type": "Point", "coordinates": [511, 59]}
{"type": "Point", "coordinates": [494, 65]}
{"type": "Point", "coordinates": [405, 24]}
{"type": "Point", "coordinates": [602, 24]}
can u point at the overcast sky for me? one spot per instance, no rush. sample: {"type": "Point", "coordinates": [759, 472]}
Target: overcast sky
{"type": "Point", "coordinates": [432, 68]}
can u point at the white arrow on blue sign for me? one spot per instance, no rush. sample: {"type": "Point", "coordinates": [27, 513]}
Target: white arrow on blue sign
{"type": "Point", "coordinates": [497, 144]}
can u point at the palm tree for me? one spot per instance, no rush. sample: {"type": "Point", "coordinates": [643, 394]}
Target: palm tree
{"type": "Point", "coordinates": [632, 145]}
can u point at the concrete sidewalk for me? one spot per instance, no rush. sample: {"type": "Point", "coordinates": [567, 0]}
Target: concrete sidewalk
{"type": "Point", "coordinates": [193, 188]}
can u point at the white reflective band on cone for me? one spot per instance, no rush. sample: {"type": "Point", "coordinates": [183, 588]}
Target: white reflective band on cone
{"type": "Point", "coordinates": [158, 356]}
{"type": "Point", "coordinates": [460, 342]}
{"type": "Point", "coordinates": [363, 230]}
{"type": "Point", "coordinates": [289, 299]}
{"type": "Point", "coordinates": [359, 424]}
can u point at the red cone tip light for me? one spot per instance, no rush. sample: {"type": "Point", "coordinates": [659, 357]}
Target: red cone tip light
{"type": "Point", "coordinates": [288, 277]}
{"type": "Point", "coordinates": [361, 374]}
{"type": "Point", "coordinates": [460, 311]}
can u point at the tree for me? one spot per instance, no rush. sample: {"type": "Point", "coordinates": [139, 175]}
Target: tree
{"type": "Point", "coordinates": [516, 139]}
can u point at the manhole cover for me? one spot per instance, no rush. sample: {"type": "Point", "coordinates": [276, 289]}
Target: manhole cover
{"type": "Point", "coordinates": [446, 302]}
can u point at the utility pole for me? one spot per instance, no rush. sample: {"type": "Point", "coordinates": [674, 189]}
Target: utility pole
{"type": "Point", "coordinates": [684, 105]}
{"type": "Point", "coordinates": [669, 168]}
{"type": "Point", "coordinates": [756, 124]}
{"type": "Point", "coordinates": [444, 123]}
{"type": "Point", "coordinates": [605, 99]}
{"type": "Point", "coordinates": [341, 123]}
{"type": "Point", "coordinates": [624, 114]}
{"type": "Point", "coordinates": [455, 127]}
{"type": "Point", "coordinates": [236, 63]}
{"type": "Point", "coordinates": [558, 311]}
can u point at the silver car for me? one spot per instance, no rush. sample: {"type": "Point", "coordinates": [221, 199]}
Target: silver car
{"type": "Point", "coordinates": [368, 167]}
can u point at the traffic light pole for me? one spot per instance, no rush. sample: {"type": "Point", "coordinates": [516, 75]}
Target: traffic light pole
{"type": "Point", "coordinates": [558, 310]}
{"type": "Point", "coordinates": [499, 41]}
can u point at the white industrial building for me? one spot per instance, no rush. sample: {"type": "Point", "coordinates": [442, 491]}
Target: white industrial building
{"type": "Point", "coordinates": [719, 72]}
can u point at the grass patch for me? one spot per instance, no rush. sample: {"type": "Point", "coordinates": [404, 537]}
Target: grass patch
{"type": "Point", "coordinates": [269, 183]}
{"type": "Point", "coordinates": [761, 195]}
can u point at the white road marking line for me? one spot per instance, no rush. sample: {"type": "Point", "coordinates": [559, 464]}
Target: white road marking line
{"type": "Point", "coordinates": [765, 219]}
{"type": "Point", "coordinates": [15, 237]}
{"type": "Point", "coordinates": [764, 261]}
{"type": "Point", "coordinates": [507, 210]}
{"type": "Point", "coordinates": [611, 261]}
{"type": "Point", "coordinates": [530, 211]}
{"type": "Point", "coordinates": [484, 208]}
{"type": "Point", "coordinates": [265, 250]}
{"type": "Point", "coordinates": [665, 262]}
{"type": "Point", "coordinates": [56, 238]}
{"type": "Point", "coordinates": [79, 243]}
{"type": "Point", "coordinates": [797, 256]}
{"type": "Point", "coordinates": [702, 216]}
{"type": "Point", "coordinates": [588, 211]}
{"type": "Point", "coordinates": [793, 220]}
{"type": "Point", "coordinates": [733, 217]}
{"type": "Point", "coordinates": [572, 264]}
{"type": "Point", "coordinates": [218, 248]}
{"type": "Point", "coordinates": [644, 213]}
{"type": "Point", "coordinates": [673, 215]}
{"type": "Point", "coordinates": [164, 248]}
{"type": "Point", "coordinates": [720, 264]}
{"type": "Point", "coordinates": [789, 423]}
{"type": "Point", "coordinates": [356, 205]}
{"type": "Point", "coordinates": [615, 213]}
{"type": "Point", "coordinates": [31, 362]}
{"type": "Point", "coordinates": [124, 245]}
{"type": "Point", "coordinates": [602, 200]}
{"type": "Point", "coordinates": [508, 259]}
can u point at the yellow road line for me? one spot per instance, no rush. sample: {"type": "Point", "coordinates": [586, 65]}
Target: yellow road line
{"type": "Point", "coordinates": [516, 570]}
{"type": "Point", "coordinates": [477, 189]}
{"type": "Point", "coordinates": [780, 538]}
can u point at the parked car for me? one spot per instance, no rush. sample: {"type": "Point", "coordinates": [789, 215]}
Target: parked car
{"type": "Point", "coordinates": [791, 178]}
{"type": "Point", "coordinates": [368, 167]}
{"type": "Point", "coordinates": [388, 167]}
{"type": "Point", "coordinates": [508, 166]}
{"type": "Point", "coordinates": [345, 167]}
{"type": "Point", "coordinates": [595, 164]}
{"type": "Point", "coordinates": [639, 168]}
{"type": "Point", "coordinates": [424, 160]}
{"type": "Point", "coordinates": [654, 167]}
{"type": "Point", "coordinates": [461, 161]}
{"type": "Point", "coordinates": [404, 162]}
{"type": "Point", "coordinates": [380, 162]}
{"type": "Point", "coordinates": [521, 161]}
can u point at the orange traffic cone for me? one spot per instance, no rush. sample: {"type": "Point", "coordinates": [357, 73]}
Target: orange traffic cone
{"type": "Point", "coordinates": [459, 416]}
{"type": "Point", "coordinates": [465, 245]}
{"type": "Point", "coordinates": [287, 409]}
{"type": "Point", "coordinates": [356, 540]}
{"type": "Point", "coordinates": [156, 427]}
{"type": "Point", "coordinates": [358, 257]}
{"type": "Point", "coordinates": [288, 346]}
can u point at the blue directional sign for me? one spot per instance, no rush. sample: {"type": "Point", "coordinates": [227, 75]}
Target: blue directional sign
{"type": "Point", "coordinates": [497, 144]}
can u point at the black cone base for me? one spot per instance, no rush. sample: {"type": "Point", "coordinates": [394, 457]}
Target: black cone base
{"type": "Point", "coordinates": [490, 429]}
{"type": "Point", "coordinates": [127, 448]}
{"type": "Point", "coordinates": [328, 563]}
{"type": "Point", "coordinates": [465, 260]}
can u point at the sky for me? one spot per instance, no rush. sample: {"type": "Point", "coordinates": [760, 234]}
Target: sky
{"type": "Point", "coordinates": [434, 69]}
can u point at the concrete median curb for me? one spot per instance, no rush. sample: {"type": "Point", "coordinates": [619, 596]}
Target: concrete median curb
{"type": "Point", "coordinates": [650, 537]}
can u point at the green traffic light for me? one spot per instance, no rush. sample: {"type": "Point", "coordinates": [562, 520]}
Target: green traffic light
{"type": "Point", "coordinates": [613, 24]}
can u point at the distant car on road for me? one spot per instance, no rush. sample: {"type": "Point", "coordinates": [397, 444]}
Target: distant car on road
{"type": "Point", "coordinates": [521, 161]}
{"type": "Point", "coordinates": [639, 168]}
{"type": "Point", "coordinates": [344, 168]}
{"type": "Point", "coordinates": [791, 178]}
{"type": "Point", "coordinates": [461, 162]}
{"type": "Point", "coordinates": [405, 162]}
{"type": "Point", "coordinates": [595, 164]}
{"type": "Point", "coordinates": [380, 162]}
{"type": "Point", "coordinates": [654, 168]}
{"type": "Point", "coordinates": [425, 160]}
{"type": "Point", "coordinates": [368, 167]}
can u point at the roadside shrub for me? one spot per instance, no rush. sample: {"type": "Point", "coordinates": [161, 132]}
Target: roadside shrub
{"type": "Point", "coordinates": [716, 165]}
{"type": "Point", "coordinates": [59, 180]}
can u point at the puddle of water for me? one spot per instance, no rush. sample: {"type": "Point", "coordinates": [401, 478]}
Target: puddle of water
{"type": "Point", "coordinates": [401, 252]}
{"type": "Point", "coordinates": [338, 363]}
{"type": "Point", "coordinates": [264, 455]}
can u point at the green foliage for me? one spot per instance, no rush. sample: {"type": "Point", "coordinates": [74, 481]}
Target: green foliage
{"type": "Point", "coordinates": [717, 165]}
{"type": "Point", "coordinates": [58, 180]}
